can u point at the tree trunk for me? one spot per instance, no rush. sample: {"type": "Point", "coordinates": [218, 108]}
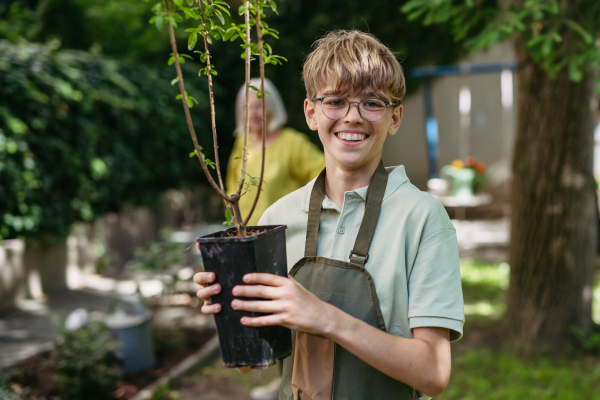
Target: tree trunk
{"type": "Point", "coordinates": [553, 232]}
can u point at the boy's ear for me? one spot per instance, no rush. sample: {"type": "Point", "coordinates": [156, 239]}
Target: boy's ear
{"type": "Point", "coordinates": [396, 120]}
{"type": "Point", "coordinates": [310, 114]}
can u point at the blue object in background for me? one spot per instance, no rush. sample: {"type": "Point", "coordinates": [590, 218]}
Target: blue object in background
{"type": "Point", "coordinates": [431, 132]}
{"type": "Point", "coordinates": [131, 327]}
{"type": "Point", "coordinates": [431, 125]}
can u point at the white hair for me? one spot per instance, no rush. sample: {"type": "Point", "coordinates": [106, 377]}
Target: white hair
{"type": "Point", "coordinates": [273, 102]}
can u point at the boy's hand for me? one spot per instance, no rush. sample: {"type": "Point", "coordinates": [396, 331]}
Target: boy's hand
{"type": "Point", "coordinates": [203, 279]}
{"type": "Point", "coordinates": [204, 293]}
{"type": "Point", "coordinates": [290, 305]}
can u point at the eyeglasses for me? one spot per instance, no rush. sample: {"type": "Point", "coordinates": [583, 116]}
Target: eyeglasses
{"type": "Point", "coordinates": [336, 108]}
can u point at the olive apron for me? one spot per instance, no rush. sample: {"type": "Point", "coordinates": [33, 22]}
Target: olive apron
{"type": "Point", "coordinates": [320, 369]}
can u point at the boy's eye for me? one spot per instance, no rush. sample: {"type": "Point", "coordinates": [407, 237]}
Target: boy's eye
{"type": "Point", "coordinates": [373, 104]}
{"type": "Point", "coordinates": [334, 102]}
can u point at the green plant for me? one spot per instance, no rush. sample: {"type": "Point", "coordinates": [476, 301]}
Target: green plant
{"type": "Point", "coordinates": [590, 343]}
{"type": "Point", "coordinates": [6, 392]}
{"type": "Point", "coordinates": [159, 256]}
{"type": "Point", "coordinates": [85, 364]}
{"type": "Point", "coordinates": [211, 16]}
{"type": "Point", "coordinates": [81, 134]}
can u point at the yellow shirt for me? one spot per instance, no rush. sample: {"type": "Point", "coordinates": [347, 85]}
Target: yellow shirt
{"type": "Point", "coordinates": [291, 161]}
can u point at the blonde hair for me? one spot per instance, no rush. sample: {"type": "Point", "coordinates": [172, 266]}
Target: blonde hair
{"type": "Point", "coordinates": [353, 62]}
{"type": "Point", "coordinates": [273, 103]}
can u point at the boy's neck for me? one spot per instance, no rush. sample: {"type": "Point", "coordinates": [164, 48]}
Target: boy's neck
{"type": "Point", "coordinates": [340, 180]}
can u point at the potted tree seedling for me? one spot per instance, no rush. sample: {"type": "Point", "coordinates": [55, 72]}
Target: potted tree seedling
{"type": "Point", "coordinates": [240, 249]}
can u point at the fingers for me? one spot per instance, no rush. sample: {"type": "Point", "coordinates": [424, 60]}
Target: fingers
{"type": "Point", "coordinates": [209, 308]}
{"type": "Point", "coordinates": [265, 292]}
{"type": "Point", "coordinates": [265, 279]}
{"type": "Point", "coordinates": [257, 306]}
{"type": "Point", "coordinates": [206, 292]}
{"type": "Point", "coordinates": [203, 278]}
{"type": "Point", "coordinates": [267, 320]}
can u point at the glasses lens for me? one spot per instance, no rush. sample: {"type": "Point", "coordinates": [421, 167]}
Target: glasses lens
{"type": "Point", "coordinates": [372, 109]}
{"type": "Point", "coordinates": [335, 107]}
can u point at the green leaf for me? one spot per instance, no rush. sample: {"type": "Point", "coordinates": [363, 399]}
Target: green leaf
{"type": "Point", "coordinates": [178, 97]}
{"type": "Point", "coordinates": [574, 72]}
{"type": "Point", "coordinates": [220, 16]}
{"type": "Point", "coordinates": [237, 157]}
{"type": "Point", "coordinates": [192, 40]}
{"type": "Point", "coordinates": [171, 60]}
{"type": "Point", "coordinates": [228, 214]}
{"type": "Point", "coordinates": [174, 81]}
{"type": "Point", "coordinates": [190, 13]}
{"type": "Point", "coordinates": [190, 103]}
{"type": "Point", "coordinates": [226, 11]}
{"type": "Point", "coordinates": [159, 22]}
{"type": "Point", "coordinates": [578, 28]}
{"type": "Point", "coordinates": [181, 59]}
{"type": "Point", "coordinates": [213, 71]}
{"type": "Point", "coordinates": [190, 2]}
{"type": "Point", "coordinates": [241, 9]}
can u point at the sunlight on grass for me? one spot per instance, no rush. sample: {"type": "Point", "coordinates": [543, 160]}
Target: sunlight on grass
{"type": "Point", "coordinates": [480, 273]}
{"type": "Point", "coordinates": [485, 309]}
{"type": "Point", "coordinates": [489, 375]}
{"type": "Point", "coordinates": [484, 286]}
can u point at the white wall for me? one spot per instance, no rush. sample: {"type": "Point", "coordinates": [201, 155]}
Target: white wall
{"type": "Point", "coordinates": [491, 132]}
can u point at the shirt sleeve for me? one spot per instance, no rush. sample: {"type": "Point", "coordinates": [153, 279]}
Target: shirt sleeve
{"type": "Point", "coordinates": [435, 292]}
{"type": "Point", "coordinates": [307, 160]}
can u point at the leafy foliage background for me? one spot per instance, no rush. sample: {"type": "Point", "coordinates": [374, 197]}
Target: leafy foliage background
{"type": "Point", "coordinates": [89, 121]}
{"type": "Point", "coordinates": [82, 134]}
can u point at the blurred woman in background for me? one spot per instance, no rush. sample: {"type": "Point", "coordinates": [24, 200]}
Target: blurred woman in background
{"type": "Point", "coordinates": [291, 159]}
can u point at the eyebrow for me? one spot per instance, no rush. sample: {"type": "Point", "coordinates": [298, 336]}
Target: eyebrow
{"type": "Point", "coordinates": [337, 93]}
{"type": "Point", "coordinates": [331, 93]}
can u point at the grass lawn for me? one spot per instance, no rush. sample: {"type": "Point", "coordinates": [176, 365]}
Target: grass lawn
{"type": "Point", "coordinates": [478, 372]}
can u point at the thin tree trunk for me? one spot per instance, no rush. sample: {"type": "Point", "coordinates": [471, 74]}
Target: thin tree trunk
{"type": "Point", "coordinates": [553, 232]}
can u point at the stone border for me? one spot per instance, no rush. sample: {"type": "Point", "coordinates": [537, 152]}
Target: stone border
{"type": "Point", "coordinates": [200, 355]}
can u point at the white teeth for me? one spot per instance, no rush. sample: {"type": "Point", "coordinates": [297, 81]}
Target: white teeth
{"type": "Point", "coordinates": [351, 136]}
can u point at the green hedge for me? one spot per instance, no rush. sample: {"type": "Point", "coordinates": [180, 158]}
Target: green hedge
{"type": "Point", "coordinates": [81, 135]}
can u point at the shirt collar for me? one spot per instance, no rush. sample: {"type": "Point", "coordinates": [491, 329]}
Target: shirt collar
{"type": "Point", "coordinates": [397, 177]}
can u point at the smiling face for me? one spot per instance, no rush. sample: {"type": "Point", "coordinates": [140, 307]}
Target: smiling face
{"type": "Point", "coordinates": [351, 143]}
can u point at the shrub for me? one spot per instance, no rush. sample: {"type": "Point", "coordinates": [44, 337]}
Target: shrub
{"type": "Point", "coordinates": [85, 363]}
{"type": "Point", "coordinates": [81, 134]}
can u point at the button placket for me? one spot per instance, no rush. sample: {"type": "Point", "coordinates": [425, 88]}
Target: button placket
{"type": "Point", "coordinates": [344, 226]}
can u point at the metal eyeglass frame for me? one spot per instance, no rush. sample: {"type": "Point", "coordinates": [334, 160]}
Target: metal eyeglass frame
{"type": "Point", "coordinates": [358, 103]}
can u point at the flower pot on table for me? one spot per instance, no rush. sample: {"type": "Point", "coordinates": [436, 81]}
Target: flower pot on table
{"type": "Point", "coordinates": [230, 258]}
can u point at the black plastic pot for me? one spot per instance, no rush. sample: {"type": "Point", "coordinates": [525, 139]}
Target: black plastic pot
{"type": "Point", "coordinates": [230, 258]}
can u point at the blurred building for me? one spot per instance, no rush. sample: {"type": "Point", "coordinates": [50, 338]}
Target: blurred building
{"type": "Point", "coordinates": [486, 101]}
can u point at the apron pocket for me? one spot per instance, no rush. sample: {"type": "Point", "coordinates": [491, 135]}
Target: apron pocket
{"type": "Point", "coordinates": [312, 376]}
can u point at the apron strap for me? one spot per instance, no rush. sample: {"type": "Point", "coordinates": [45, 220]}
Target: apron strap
{"type": "Point", "coordinates": [360, 252]}
{"type": "Point", "coordinates": [375, 192]}
{"type": "Point", "coordinates": [314, 216]}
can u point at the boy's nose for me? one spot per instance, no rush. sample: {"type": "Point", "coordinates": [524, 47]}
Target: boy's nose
{"type": "Point", "coordinates": [353, 116]}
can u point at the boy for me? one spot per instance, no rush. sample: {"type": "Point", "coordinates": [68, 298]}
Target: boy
{"type": "Point", "coordinates": [376, 299]}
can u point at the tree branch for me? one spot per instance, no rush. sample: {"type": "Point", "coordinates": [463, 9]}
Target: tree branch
{"type": "Point", "coordinates": [261, 61]}
{"type": "Point", "coordinates": [212, 102]}
{"type": "Point", "coordinates": [247, 124]}
{"type": "Point", "coordinates": [186, 109]}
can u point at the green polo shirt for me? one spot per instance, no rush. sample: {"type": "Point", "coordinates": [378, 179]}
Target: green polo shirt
{"type": "Point", "coordinates": [413, 257]}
